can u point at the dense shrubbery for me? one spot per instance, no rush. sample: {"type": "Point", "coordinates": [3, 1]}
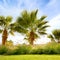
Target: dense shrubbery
{"type": "Point", "coordinates": [36, 51]}
{"type": "Point", "coordinates": [52, 48]}
{"type": "Point", "coordinates": [3, 49]}
{"type": "Point", "coordinates": [23, 49]}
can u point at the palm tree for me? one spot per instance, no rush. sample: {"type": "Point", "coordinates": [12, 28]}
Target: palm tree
{"type": "Point", "coordinates": [5, 27]}
{"type": "Point", "coordinates": [30, 26]}
{"type": "Point", "coordinates": [51, 37]}
{"type": "Point", "coordinates": [56, 34]}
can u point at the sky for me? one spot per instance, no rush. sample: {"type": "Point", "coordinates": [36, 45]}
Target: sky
{"type": "Point", "coordinates": [50, 8]}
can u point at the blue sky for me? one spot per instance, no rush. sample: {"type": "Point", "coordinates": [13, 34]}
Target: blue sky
{"type": "Point", "coordinates": [50, 8]}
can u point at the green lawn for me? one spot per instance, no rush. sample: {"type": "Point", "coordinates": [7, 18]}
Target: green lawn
{"type": "Point", "coordinates": [30, 57]}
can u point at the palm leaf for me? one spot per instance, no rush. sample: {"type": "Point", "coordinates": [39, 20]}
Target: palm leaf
{"type": "Point", "coordinates": [42, 32]}
{"type": "Point", "coordinates": [2, 20]}
{"type": "Point", "coordinates": [42, 23]}
{"type": "Point", "coordinates": [1, 31]}
{"type": "Point", "coordinates": [56, 33]}
{"type": "Point", "coordinates": [43, 27]}
{"type": "Point", "coordinates": [42, 18]}
{"type": "Point", "coordinates": [11, 32]}
{"type": "Point", "coordinates": [50, 36]}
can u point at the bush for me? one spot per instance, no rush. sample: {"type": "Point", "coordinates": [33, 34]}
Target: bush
{"type": "Point", "coordinates": [23, 49]}
{"type": "Point", "coordinates": [11, 52]}
{"type": "Point", "coordinates": [36, 51]}
{"type": "Point", "coordinates": [57, 49]}
{"type": "Point", "coordinates": [52, 49]}
{"type": "Point", "coordinates": [3, 50]}
{"type": "Point", "coordinates": [49, 50]}
{"type": "Point", "coordinates": [27, 49]}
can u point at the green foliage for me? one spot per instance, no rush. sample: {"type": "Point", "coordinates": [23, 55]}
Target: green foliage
{"type": "Point", "coordinates": [10, 52]}
{"type": "Point", "coordinates": [36, 51]}
{"type": "Point", "coordinates": [51, 48]}
{"type": "Point", "coordinates": [28, 22]}
{"type": "Point", "coordinates": [56, 33]}
{"type": "Point", "coordinates": [1, 31]}
{"type": "Point", "coordinates": [23, 49]}
{"type": "Point", "coordinates": [5, 21]}
{"type": "Point", "coordinates": [2, 18]}
{"type": "Point", "coordinates": [50, 36]}
{"type": "Point", "coordinates": [3, 50]}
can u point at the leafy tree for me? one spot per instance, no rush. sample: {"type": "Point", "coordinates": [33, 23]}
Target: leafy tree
{"type": "Point", "coordinates": [29, 25]}
{"type": "Point", "coordinates": [5, 27]}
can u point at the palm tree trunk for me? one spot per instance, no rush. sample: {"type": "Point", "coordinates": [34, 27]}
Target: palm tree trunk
{"type": "Point", "coordinates": [31, 37]}
{"type": "Point", "coordinates": [4, 36]}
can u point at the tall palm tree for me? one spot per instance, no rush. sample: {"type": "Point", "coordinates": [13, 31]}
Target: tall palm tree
{"type": "Point", "coordinates": [29, 25]}
{"type": "Point", "coordinates": [5, 27]}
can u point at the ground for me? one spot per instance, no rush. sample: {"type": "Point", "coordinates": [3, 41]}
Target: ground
{"type": "Point", "coordinates": [30, 57]}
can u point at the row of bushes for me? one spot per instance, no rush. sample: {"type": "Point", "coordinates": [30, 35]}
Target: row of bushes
{"type": "Point", "coordinates": [24, 49]}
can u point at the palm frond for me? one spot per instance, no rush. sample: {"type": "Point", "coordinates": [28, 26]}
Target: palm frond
{"type": "Point", "coordinates": [56, 33]}
{"type": "Point", "coordinates": [1, 31]}
{"type": "Point", "coordinates": [2, 20]}
{"type": "Point", "coordinates": [33, 15]}
{"type": "Point", "coordinates": [8, 19]}
{"type": "Point", "coordinates": [42, 32]}
{"type": "Point", "coordinates": [50, 36]}
{"type": "Point", "coordinates": [43, 27]}
{"type": "Point", "coordinates": [42, 18]}
{"type": "Point", "coordinates": [11, 32]}
{"type": "Point", "coordinates": [42, 23]}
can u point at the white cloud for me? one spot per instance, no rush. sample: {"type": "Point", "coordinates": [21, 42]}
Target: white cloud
{"type": "Point", "coordinates": [54, 23]}
{"type": "Point", "coordinates": [14, 11]}
{"type": "Point", "coordinates": [42, 40]}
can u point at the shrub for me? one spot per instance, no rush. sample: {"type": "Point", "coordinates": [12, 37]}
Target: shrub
{"type": "Point", "coordinates": [49, 50]}
{"type": "Point", "coordinates": [57, 49]}
{"type": "Point", "coordinates": [21, 49]}
{"type": "Point", "coordinates": [52, 49]}
{"type": "Point", "coordinates": [36, 51]}
{"type": "Point", "coordinates": [27, 49]}
{"type": "Point", "coordinates": [11, 52]}
{"type": "Point", "coordinates": [3, 50]}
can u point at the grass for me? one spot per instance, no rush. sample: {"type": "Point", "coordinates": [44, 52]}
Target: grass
{"type": "Point", "coordinates": [30, 57]}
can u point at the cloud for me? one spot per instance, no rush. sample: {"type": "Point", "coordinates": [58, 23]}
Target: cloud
{"type": "Point", "coordinates": [12, 6]}
{"type": "Point", "coordinates": [54, 23]}
{"type": "Point", "coordinates": [52, 8]}
{"type": "Point", "coordinates": [42, 40]}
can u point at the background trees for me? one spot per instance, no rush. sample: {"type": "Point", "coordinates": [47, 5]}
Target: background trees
{"type": "Point", "coordinates": [55, 36]}
{"type": "Point", "coordinates": [51, 37]}
{"type": "Point", "coordinates": [29, 25]}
